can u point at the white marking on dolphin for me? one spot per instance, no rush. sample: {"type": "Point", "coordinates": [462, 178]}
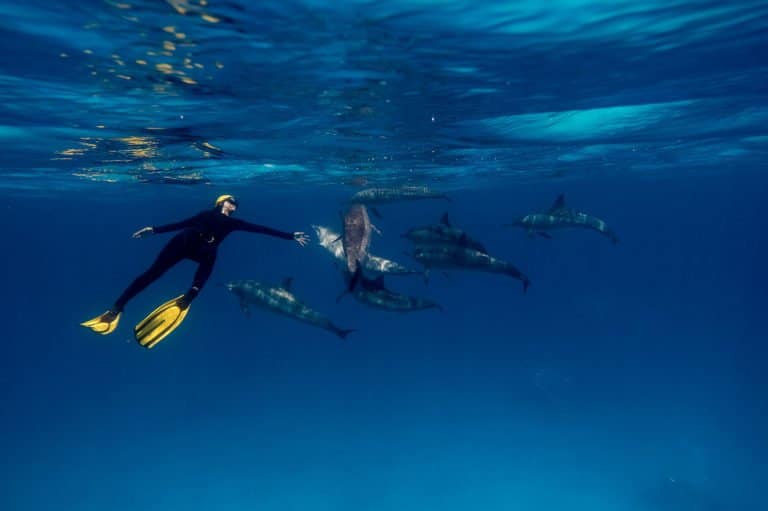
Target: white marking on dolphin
{"type": "Point", "coordinates": [330, 240]}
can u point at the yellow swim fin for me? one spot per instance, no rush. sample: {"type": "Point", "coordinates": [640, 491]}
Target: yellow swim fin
{"type": "Point", "coordinates": [161, 322]}
{"type": "Point", "coordinates": [104, 324]}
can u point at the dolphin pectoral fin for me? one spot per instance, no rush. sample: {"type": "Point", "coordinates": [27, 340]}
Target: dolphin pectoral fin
{"type": "Point", "coordinates": [526, 284]}
{"type": "Point", "coordinates": [376, 212]}
{"type": "Point", "coordinates": [376, 230]}
{"type": "Point", "coordinates": [287, 283]}
{"type": "Point", "coordinates": [444, 220]}
{"type": "Point", "coordinates": [544, 235]}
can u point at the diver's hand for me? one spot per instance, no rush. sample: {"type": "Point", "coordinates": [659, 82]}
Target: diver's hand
{"type": "Point", "coordinates": [146, 231]}
{"type": "Point", "coordinates": [301, 238]}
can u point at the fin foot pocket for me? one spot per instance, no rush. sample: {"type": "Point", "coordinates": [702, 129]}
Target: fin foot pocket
{"type": "Point", "coordinates": [104, 324]}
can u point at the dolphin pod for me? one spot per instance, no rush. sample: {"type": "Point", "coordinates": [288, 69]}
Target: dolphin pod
{"type": "Point", "coordinates": [436, 246]}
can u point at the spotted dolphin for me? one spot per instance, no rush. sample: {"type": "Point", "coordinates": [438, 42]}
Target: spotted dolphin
{"type": "Point", "coordinates": [356, 238]}
{"type": "Point", "coordinates": [390, 195]}
{"type": "Point", "coordinates": [558, 216]}
{"type": "Point", "coordinates": [442, 233]}
{"type": "Point", "coordinates": [329, 240]}
{"type": "Point", "coordinates": [281, 300]}
{"type": "Point", "coordinates": [374, 196]}
{"type": "Point", "coordinates": [465, 258]}
{"type": "Point", "coordinates": [373, 293]}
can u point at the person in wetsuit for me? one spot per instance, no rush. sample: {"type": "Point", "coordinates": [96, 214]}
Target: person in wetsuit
{"type": "Point", "coordinates": [199, 241]}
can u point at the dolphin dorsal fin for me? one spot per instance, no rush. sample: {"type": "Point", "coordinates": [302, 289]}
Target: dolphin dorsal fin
{"type": "Point", "coordinates": [287, 283]}
{"type": "Point", "coordinates": [558, 204]}
{"type": "Point", "coordinates": [444, 220]}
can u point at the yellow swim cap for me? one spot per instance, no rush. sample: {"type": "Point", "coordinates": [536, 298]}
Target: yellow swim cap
{"type": "Point", "coordinates": [221, 198]}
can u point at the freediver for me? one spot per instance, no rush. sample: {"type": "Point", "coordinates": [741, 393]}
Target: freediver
{"type": "Point", "coordinates": [198, 241]}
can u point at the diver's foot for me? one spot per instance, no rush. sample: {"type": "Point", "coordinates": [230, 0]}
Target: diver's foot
{"type": "Point", "coordinates": [104, 324]}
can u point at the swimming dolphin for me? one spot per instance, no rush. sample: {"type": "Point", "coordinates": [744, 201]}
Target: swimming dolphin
{"type": "Point", "coordinates": [356, 237]}
{"type": "Point", "coordinates": [390, 195]}
{"type": "Point", "coordinates": [373, 293]}
{"type": "Point", "coordinates": [442, 234]}
{"type": "Point", "coordinates": [279, 299]}
{"type": "Point", "coordinates": [330, 241]}
{"type": "Point", "coordinates": [372, 196]}
{"type": "Point", "coordinates": [465, 258]}
{"type": "Point", "coordinates": [560, 217]}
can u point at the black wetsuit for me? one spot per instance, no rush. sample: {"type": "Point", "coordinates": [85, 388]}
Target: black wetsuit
{"type": "Point", "coordinates": [199, 240]}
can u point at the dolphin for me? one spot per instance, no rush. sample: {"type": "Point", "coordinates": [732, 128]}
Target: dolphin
{"type": "Point", "coordinates": [442, 234]}
{"type": "Point", "coordinates": [330, 241]}
{"type": "Point", "coordinates": [390, 195]}
{"type": "Point", "coordinates": [373, 196]}
{"type": "Point", "coordinates": [560, 217]}
{"type": "Point", "coordinates": [281, 300]}
{"type": "Point", "coordinates": [465, 258]}
{"type": "Point", "coordinates": [356, 238]}
{"type": "Point", "coordinates": [372, 292]}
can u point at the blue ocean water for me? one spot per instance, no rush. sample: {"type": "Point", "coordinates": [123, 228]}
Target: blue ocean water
{"type": "Point", "coordinates": [628, 377]}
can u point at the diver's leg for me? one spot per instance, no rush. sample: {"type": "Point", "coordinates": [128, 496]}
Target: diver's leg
{"type": "Point", "coordinates": [169, 256]}
{"type": "Point", "coordinates": [204, 270]}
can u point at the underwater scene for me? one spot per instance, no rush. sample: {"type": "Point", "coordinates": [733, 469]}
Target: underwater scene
{"type": "Point", "coordinates": [383, 255]}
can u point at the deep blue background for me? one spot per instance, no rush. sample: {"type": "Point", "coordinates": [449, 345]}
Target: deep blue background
{"type": "Point", "coordinates": [628, 377]}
